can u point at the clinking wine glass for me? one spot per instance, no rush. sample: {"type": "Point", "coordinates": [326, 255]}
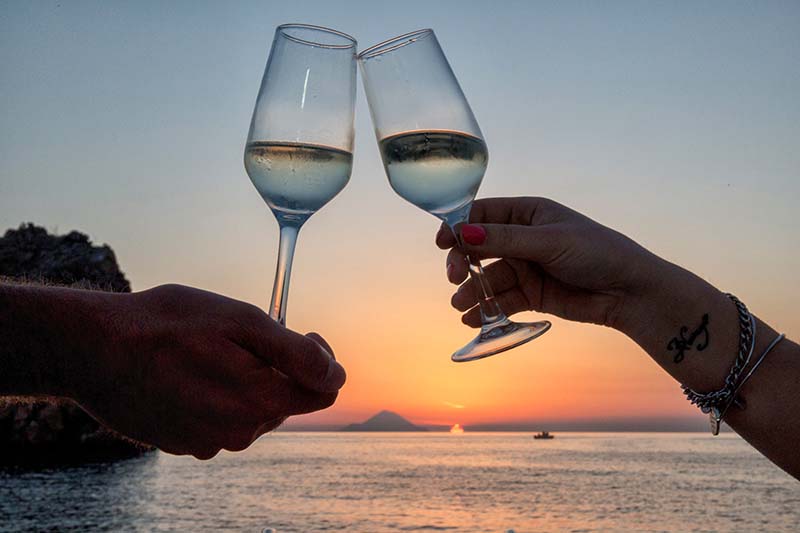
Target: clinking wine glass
{"type": "Point", "coordinates": [435, 157]}
{"type": "Point", "coordinates": [299, 149]}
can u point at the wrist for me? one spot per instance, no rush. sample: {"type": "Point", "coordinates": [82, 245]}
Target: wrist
{"type": "Point", "coordinates": [52, 335]}
{"type": "Point", "coordinates": [678, 307]}
{"type": "Point", "coordinates": [654, 286]}
{"type": "Point", "coordinates": [90, 335]}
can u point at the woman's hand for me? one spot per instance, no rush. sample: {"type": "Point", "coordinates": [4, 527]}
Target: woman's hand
{"type": "Point", "coordinates": [553, 260]}
{"type": "Point", "coordinates": [557, 261]}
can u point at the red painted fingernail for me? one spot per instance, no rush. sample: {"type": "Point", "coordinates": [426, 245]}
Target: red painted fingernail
{"type": "Point", "coordinates": [473, 234]}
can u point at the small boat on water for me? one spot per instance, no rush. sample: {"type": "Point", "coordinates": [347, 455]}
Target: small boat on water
{"type": "Point", "coordinates": [544, 435]}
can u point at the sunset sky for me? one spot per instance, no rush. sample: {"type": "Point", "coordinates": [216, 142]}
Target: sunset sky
{"type": "Point", "coordinates": [676, 123]}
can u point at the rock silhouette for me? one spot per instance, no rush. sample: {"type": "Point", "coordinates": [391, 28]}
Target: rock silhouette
{"type": "Point", "coordinates": [51, 431]}
{"type": "Point", "coordinates": [31, 253]}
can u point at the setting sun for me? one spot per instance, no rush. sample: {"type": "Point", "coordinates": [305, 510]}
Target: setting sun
{"type": "Point", "coordinates": [457, 429]}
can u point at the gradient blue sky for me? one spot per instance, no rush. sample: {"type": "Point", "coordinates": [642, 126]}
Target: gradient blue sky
{"type": "Point", "coordinates": [677, 123]}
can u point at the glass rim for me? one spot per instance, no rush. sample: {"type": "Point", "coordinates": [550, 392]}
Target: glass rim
{"type": "Point", "coordinates": [394, 43]}
{"type": "Point", "coordinates": [322, 29]}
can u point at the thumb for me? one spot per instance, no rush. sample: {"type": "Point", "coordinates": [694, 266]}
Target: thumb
{"type": "Point", "coordinates": [539, 244]}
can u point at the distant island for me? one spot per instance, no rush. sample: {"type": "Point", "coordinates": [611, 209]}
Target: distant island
{"type": "Point", "coordinates": [391, 421]}
{"type": "Point", "coordinates": [385, 421]}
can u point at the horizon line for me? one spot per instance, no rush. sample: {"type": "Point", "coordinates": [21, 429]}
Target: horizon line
{"type": "Point", "coordinates": [445, 429]}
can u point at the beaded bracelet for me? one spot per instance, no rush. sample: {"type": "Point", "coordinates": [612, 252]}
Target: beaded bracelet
{"type": "Point", "coordinates": [714, 402]}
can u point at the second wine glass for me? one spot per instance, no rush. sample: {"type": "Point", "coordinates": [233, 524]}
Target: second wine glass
{"type": "Point", "coordinates": [435, 157]}
{"type": "Point", "coordinates": [300, 145]}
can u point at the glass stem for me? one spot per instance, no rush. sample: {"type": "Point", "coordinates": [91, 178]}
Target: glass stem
{"type": "Point", "coordinates": [280, 289]}
{"type": "Point", "coordinates": [491, 314]}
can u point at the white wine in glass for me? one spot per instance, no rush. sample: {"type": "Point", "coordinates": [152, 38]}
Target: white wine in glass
{"type": "Point", "coordinates": [294, 179]}
{"type": "Point", "coordinates": [435, 157]}
{"type": "Point", "coordinates": [437, 171]}
{"type": "Point", "coordinates": [299, 149]}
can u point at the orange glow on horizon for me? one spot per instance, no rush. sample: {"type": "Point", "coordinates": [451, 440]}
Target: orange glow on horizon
{"type": "Point", "coordinates": [386, 312]}
{"type": "Point", "coordinates": [574, 372]}
{"type": "Point", "coordinates": [457, 429]}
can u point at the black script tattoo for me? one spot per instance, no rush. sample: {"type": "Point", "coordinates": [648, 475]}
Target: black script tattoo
{"type": "Point", "coordinates": [683, 344]}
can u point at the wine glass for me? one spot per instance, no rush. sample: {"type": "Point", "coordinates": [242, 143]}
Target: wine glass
{"type": "Point", "coordinates": [299, 151]}
{"type": "Point", "coordinates": [435, 157]}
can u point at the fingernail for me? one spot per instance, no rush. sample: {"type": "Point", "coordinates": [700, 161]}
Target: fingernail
{"type": "Point", "coordinates": [473, 234]}
{"type": "Point", "coordinates": [450, 268]}
{"type": "Point", "coordinates": [336, 376]}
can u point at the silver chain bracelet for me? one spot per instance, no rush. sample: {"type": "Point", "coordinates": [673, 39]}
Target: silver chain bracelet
{"type": "Point", "coordinates": [716, 402]}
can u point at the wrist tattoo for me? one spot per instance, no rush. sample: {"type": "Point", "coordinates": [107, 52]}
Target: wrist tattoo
{"type": "Point", "coordinates": [683, 344]}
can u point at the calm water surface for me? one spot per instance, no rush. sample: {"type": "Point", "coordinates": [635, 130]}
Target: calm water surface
{"type": "Point", "coordinates": [303, 482]}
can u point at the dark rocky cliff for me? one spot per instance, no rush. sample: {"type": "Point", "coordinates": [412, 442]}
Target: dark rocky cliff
{"type": "Point", "coordinates": [50, 431]}
{"type": "Point", "coordinates": [31, 253]}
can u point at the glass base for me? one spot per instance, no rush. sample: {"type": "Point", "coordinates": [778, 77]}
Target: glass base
{"type": "Point", "coordinates": [497, 338]}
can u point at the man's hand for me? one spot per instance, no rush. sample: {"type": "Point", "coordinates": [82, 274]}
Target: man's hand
{"type": "Point", "coordinates": [188, 371]}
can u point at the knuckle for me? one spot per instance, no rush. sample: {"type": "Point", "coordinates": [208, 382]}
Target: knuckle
{"type": "Point", "coordinates": [169, 290]}
{"type": "Point", "coordinates": [453, 256]}
{"type": "Point", "coordinates": [541, 203]}
{"type": "Point", "coordinates": [269, 425]}
{"type": "Point", "coordinates": [539, 210]}
{"type": "Point", "coordinates": [454, 300]}
{"type": "Point", "coordinates": [253, 313]}
{"type": "Point", "coordinates": [312, 359]}
{"type": "Point", "coordinates": [459, 299]}
{"type": "Point", "coordinates": [505, 232]}
{"type": "Point", "coordinates": [476, 212]}
{"type": "Point", "coordinates": [205, 454]}
{"type": "Point", "coordinates": [238, 442]}
{"type": "Point", "coordinates": [276, 402]}
{"type": "Point", "coordinates": [506, 236]}
{"type": "Point", "coordinates": [328, 399]}
{"type": "Point", "coordinates": [249, 317]}
{"type": "Point", "coordinates": [468, 319]}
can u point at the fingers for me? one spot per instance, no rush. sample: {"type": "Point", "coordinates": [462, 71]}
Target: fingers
{"type": "Point", "coordinates": [500, 275]}
{"type": "Point", "coordinates": [444, 237]}
{"type": "Point", "coordinates": [457, 267]}
{"type": "Point", "coordinates": [538, 244]}
{"type": "Point", "coordinates": [259, 404]}
{"type": "Point", "coordinates": [322, 342]}
{"type": "Point", "coordinates": [268, 426]}
{"type": "Point", "coordinates": [511, 301]}
{"type": "Point", "coordinates": [522, 211]}
{"type": "Point", "coordinates": [237, 443]}
{"type": "Point", "coordinates": [518, 233]}
{"type": "Point", "coordinates": [305, 359]}
{"type": "Point", "coordinates": [281, 396]}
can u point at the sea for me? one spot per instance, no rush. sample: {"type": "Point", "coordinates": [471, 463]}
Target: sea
{"type": "Point", "coordinates": [419, 482]}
